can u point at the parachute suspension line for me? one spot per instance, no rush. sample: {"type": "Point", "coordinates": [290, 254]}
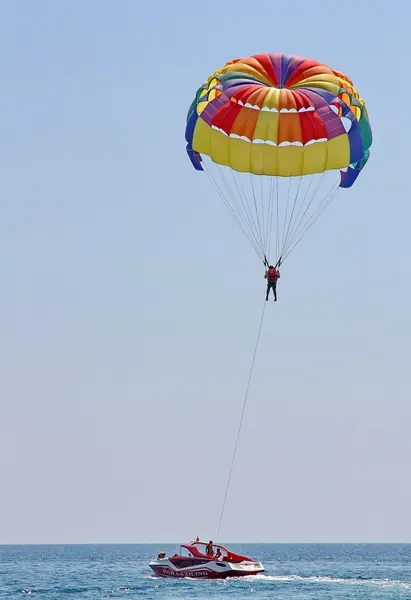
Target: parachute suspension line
{"type": "Point", "coordinates": [248, 215]}
{"type": "Point", "coordinates": [240, 215]}
{"type": "Point", "coordinates": [264, 237]}
{"type": "Point", "coordinates": [247, 204]}
{"type": "Point", "coordinates": [270, 218]}
{"type": "Point", "coordinates": [263, 234]}
{"type": "Point", "coordinates": [231, 211]}
{"type": "Point", "coordinates": [292, 214]}
{"type": "Point", "coordinates": [285, 216]}
{"type": "Point", "coordinates": [262, 216]}
{"type": "Point", "coordinates": [302, 204]}
{"type": "Point", "coordinates": [225, 201]}
{"type": "Point", "coordinates": [303, 226]}
{"type": "Point", "coordinates": [324, 205]}
{"type": "Point", "coordinates": [277, 256]}
{"type": "Point", "coordinates": [241, 419]}
{"type": "Point", "coordinates": [314, 218]}
{"type": "Point", "coordinates": [256, 210]}
{"type": "Point", "coordinates": [254, 205]}
{"type": "Point", "coordinates": [266, 209]}
{"type": "Point", "coordinates": [248, 194]}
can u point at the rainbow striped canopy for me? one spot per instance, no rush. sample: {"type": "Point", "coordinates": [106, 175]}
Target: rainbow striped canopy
{"type": "Point", "coordinates": [278, 114]}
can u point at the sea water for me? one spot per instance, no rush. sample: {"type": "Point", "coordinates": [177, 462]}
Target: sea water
{"type": "Point", "coordinates": [293, 571]}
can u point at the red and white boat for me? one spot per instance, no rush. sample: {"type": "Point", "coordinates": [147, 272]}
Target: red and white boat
{"type": "Point", "coordinates": [194, 562]}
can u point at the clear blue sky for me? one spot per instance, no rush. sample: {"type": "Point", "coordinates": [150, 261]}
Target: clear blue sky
{"type": "Point", "coordinates": [121, 373]}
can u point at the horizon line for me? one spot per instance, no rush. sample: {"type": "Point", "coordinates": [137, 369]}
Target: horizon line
{"type": "Point", "coordinates": [180, 543]}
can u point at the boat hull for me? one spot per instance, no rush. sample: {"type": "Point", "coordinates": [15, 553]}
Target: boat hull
{"type": "Point", "coordinates": [209, 570]}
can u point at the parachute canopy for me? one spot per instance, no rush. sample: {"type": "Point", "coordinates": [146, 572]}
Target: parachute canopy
{"type": "Point", "coordinates": [278, 116]}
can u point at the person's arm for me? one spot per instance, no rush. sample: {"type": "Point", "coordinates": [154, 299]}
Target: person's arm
{"type": "Point", "coordinates": [265, 275]}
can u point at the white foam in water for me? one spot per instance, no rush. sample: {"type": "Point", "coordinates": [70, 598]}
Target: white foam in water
{"type": "Point", "coordinates": [325, 579]}
{"type": "Point", "coordinates": [406, 585]}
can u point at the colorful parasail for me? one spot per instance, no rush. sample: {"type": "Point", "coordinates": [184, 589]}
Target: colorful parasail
{"type": "Point", "coordinates": [273, 128]}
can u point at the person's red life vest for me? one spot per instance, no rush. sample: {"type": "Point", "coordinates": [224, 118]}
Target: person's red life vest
{"type": "Point", "coordinates": [272, 275]}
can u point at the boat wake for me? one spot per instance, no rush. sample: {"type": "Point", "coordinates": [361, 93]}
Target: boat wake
{"type": "Point", "coordinates": [326, 579]}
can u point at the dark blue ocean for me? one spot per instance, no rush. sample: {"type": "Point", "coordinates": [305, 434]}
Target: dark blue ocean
{"type": "Point", "coordinates": [293, 571]}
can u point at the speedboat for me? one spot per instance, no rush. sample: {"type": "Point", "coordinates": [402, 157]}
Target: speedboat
{"type": "Point", "coordinates": [194, 562]}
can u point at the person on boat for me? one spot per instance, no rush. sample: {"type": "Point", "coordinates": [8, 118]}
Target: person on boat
{"type": "Point", "coordinates": [209, 548]}
{"type": "Point", "coordinates": [197, 539]}
{"type": "Point", "coordinates": [218, 554]}
{"type": "Point", "coordinates": [272, 275]}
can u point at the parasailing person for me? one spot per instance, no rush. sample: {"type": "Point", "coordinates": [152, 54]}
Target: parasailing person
{"type": "Point", "coordinates": [272, 275]}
